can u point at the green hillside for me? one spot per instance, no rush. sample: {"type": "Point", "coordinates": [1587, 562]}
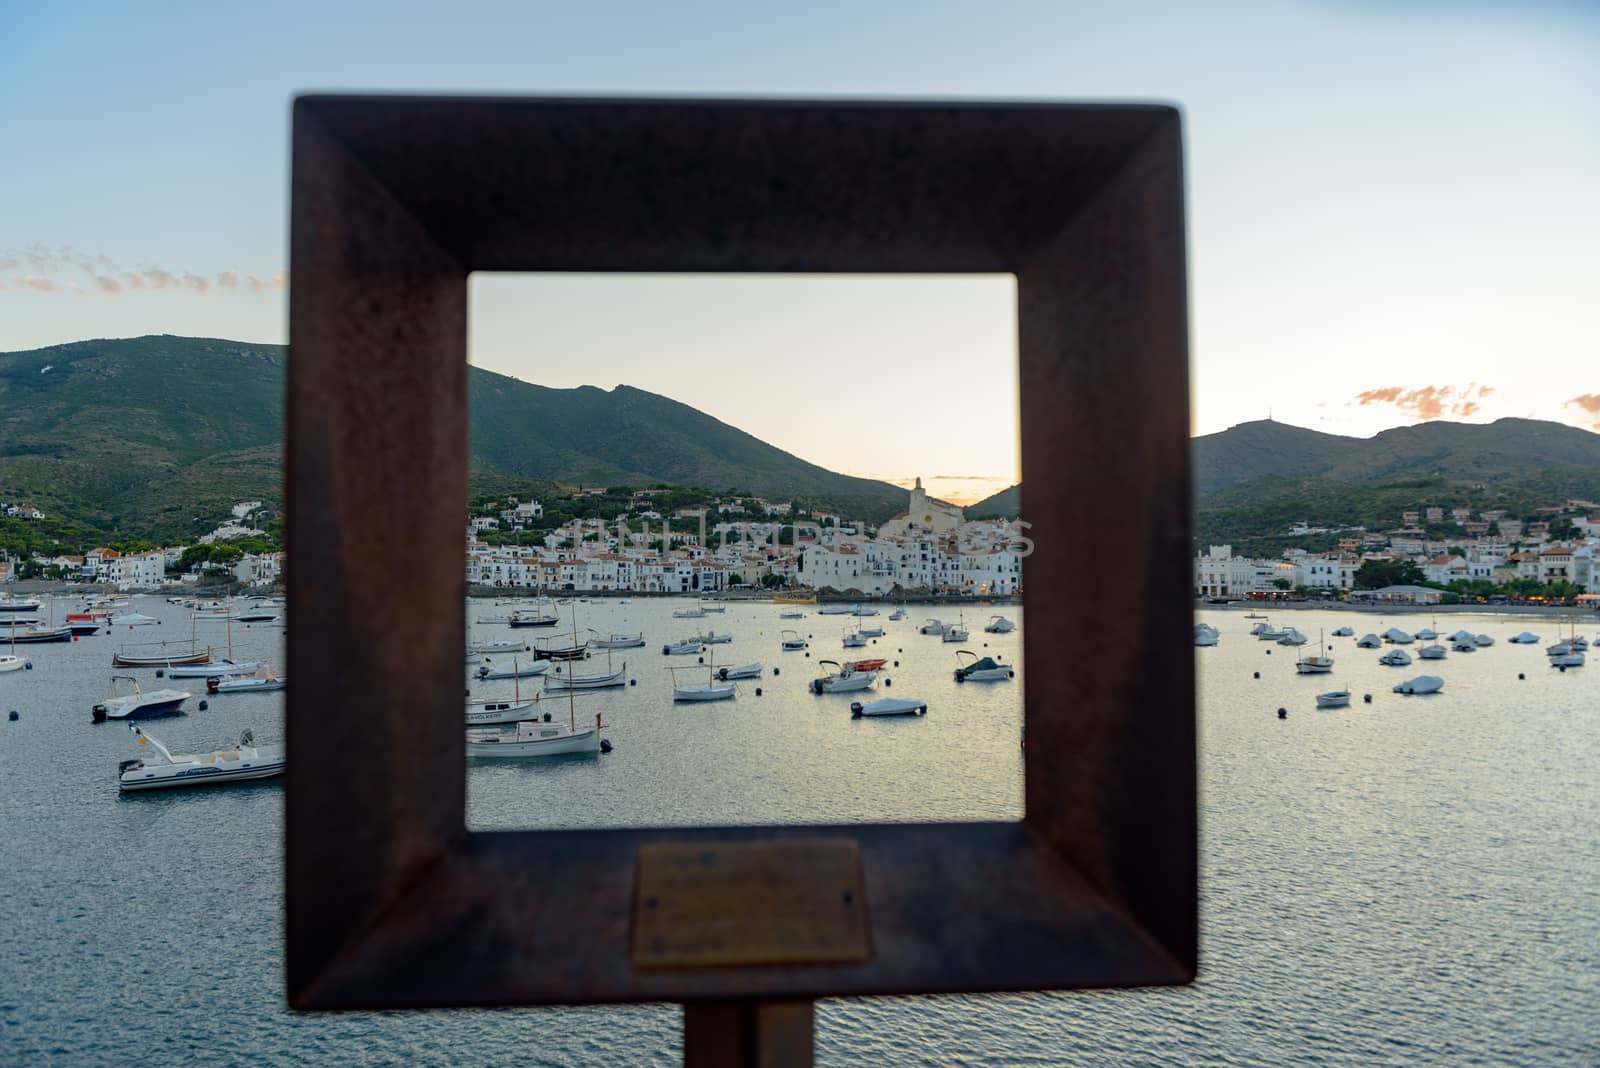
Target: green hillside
{"type": "Point", "coordinates": [158, 436]}
{"type": "Point", "coordinates": [1007, 504]}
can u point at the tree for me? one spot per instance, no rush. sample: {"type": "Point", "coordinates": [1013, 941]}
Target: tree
{"type": "Point", "coordinates": [1376, 574]}
{"type": "Point", "coordinates": [1282, 584]}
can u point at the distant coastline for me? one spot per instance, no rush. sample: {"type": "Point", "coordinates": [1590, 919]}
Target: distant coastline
{"type": "Point", "coordinates": [1266, 607]}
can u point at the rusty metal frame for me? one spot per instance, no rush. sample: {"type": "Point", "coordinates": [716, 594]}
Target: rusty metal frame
{"type": "Point", "coordinates": [390, 902]}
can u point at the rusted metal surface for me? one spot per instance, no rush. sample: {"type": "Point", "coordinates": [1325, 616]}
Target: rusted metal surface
{"type": "Point", "coordinates": [796, 901]}
{"type": "Point", "coordinates": [395, 200]}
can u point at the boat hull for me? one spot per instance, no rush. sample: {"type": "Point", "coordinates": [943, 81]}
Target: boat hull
{"type": "Point", "coordinates": [583, 741]}
{"type": "Point", "coordinates": [495, 713]}
{"type": "Point", "coordinates": [35, 637]}
{"type": "Point", "coordinates": [211, 671]}
{"type": "Point", "coordinates": [704, 693]}
{"type": "Point", "coordinates": [148, 709]}
{"type": "Point", "coordinates": [162, 777]}
{"type": "Point", "coordinates": [889, 706]}
{"type": "Point", "coordinates": [135, 660]}
{"type": "Point", "coordinates": [842, 683]}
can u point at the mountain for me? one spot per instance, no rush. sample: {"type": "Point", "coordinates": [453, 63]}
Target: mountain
{"type": "Point", "coordinates": [1007, 504]}
{"type": "Point", "coordinates": [159, 435]}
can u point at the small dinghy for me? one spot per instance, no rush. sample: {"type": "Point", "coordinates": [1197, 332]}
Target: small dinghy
{"type": "Point", "coordinates": [244, 762]}
{"type": "Point", "coordinates": [898, 614]}
{"type": "Point", "coordinates": [710, 690]}
{"type": "Point", "coordinates": [1334, 699]}
{"type": "Point", "coordinates": [792, 642]}
{"type": "Point", "coordinates": [1397, 636]}
{"type": "Point", "coordinates": [617, 641]}
{"type": "Point", "coordinates": [1483, 640]}
{"type": "Point", "coordinates": [1395, 658]}
{"type": "Point", "coordinates": [1002, 625]}
{"type": "Point", "coordinates": [686, 647]}
{"type": "Point", "coordinates": [743, 671]}
{"type": "Point", "coordinates": [712, 637]}
{"type": "Point", "coordinates": [264, 679]}
{"type": "Point", "coordinates": [1344, 632]}
{"type": "Point", "coordinates": [221, 670]}
{"type": "Point", "coordinates": [791, 615]}
{"type": "Point", "coordinates": [1420, 685]}
{"type": "Point", "coordinates": [514, 667]}
{"type": "Point", "coordinates": [1369, 641]}
{"type": "Point", "coordinates": [689, 613]}
{"type": "Point", "coordinates": [841, 678]}
{"type": "Point", "coordinates": [889, 706]}
{"type": "Point", "coordinates": [1431, 652]}
{"type": "Point", "coordinates": [501, 645]}
{"type": "Point", "coordinates": [1469, 644]}
{"type": "Point", "coordinates": [875, 664]}
{"type": "Point", "coordinates": [1525, 638]}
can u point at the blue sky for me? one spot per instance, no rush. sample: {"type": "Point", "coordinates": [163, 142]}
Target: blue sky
{"type": "Point", "coordinates": [1389, 200]}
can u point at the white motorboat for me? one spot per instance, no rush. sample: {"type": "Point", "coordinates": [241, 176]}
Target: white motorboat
{"type": "Point", "coordinates": [854, 640]}
{"type": "Point", "coordinates": [710, 690]}
{"type": "Point", "coordinates": [491, 713]}
{"type": "Point", "coordinates": [243, 762]}
{"type": "Point", "coordinates": [889, 706]}
{"type": "Point", "coordinates": [792, 642]}
{"type": "Point", "coordinates": [870, 632]}
{"type": "Point", "coordinates": [743, 671]}
{"type": "Point", "coordinates": [1579, 643]}
{"type": "Point", "coordinates": [617, 641]}
{"type": "Point", "coordinates": [1431, 652]}
{"type": "Point", "coordinates": [1343, 632]}
{"type": "Point", "coordinates": [20, 604]}
{"type": "Point", "coordinates": [1464, 636]}
{"type": "Point", "coordinates": [1558, 649]}
{"type": "Point", "coordinates": [686, 647]}
{"type": "Point", "coordinates": [564, 678]}
{"type": "Point", "coordinates": [1334, 699]}
{"type": "Point", "coordinates": [515, 667]}
{"type": "Point", "coordinates": [838, 678]}
{"type": "Point", "coordinates": [220, 670]}
{"type": "Point", "coordinates": [138, 704]}
{"type": "Point", "coordinates": [256, 615]}
{"type": "Point", "coordinates": [500, 645]}
{"type": "Point", "coordinates": [263, 680]}
{"type": "Point", "coordinates": [898, 614]}
{"type": "Point", "coordinates": [1395, 658]}
{"type": "Point", "coordinates": [134, 619]}
{"type": "Point", "coordinates": [1420, 685]}
{"type": "Point", "coordinates": [863, 610]}
{"type": "Point", "coordinates": [1397, 636]}
{"type": "Point", "coordinates": [1468, 644]}
{"type": "Point", "coordinates": [836, 610]}
{"type": "Point", "coordinates": [955, 632]}
{"type": "Point", "coordinates": [1292, 637]}
{"type": "Point", "coordinates": [713, 607]}
{"type": "Point", "coordinates": [1525, 638]}
{"type": "Point", "coordinates": [1483, 640]}
{"type": "Point", "coordinates": [1321, 664]}
{"type": "Point", "coordinates": [970, 667]}
{"type": "Point", "coordinates": [1426, 634]}
{"type": "Point", "coordinates": [931, 626]}
{"type": "Point", "coordinates": [791, 615]}
{"type": "Point", "coordinates": [1205, 635]}
{"type": "Point", "coordinates": [1266, 632]}
{"type": "Point", "coordinates": [1369, 641]}
{"type": "Point", "coordinates": [1002, 625]}
{"type": "Point", "coordinates": [534, 738]}
{"type": "Point", "coordinates": [689, 613]}
{"type": "Point", "coordinates": [711, 637]}
{"type": "Point", "coordinates": [1572, 658]}
{"type": "Point", "coordinates": [12, 662]}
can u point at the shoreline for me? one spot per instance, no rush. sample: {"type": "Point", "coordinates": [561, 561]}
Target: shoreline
{"type": "Point", "coordinates": [1267, 607]}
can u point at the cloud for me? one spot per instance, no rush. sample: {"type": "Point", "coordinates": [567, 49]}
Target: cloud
{"type": "Point", "coordinates": [196, 283]}
{"type": "Point", "coordinates": [156, 278]}
{"type": "Point", "coordinates": [1589, 404]}
{"type": "Point", "coordinates": [51, 270]}
{"type": "Point", "coordinates": [107, 284]}
{"type": "Point", "coordinates": [228, 281]}
{"type": "Point", "coordinates": [43, 285]}
{"type": "Point", "coordinates": [1429, 402]}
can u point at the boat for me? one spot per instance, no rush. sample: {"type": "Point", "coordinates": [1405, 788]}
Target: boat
{"type": "Point", "coordinates": [710, 690]}
{"type": "Point", "coordinates": [517, 668]}
{"type": "Point", "coordinates": [1205, 635]}
{"type": "Point", "coordinates": [836, 610]}
{"type": "Point", "coordinates": [37, 635]}
{"type": "Point", "coordinates": [1483, 640]}
{"type": "Point", "coordinates": [493, 713]}
{"type": "Point", "coordinates": [1266, 632]}
{"type": "Point", "coordinates": [1420, 685]}
{"type": "Point", "coordinates": [898, 614]}
{"type": "Point", "coordinates": [1333, 699]}
{"type": "Point", "coordinates": [791, 615]}
{"type": "Point", "coordinates": [1292, 637]}
{"type": "Point", "coordinates": [955, 632]}
{"type": "Point", "coordinates": [854, 640]}
{"type": "Point", "coordinates": [1431, 652]}
{"type": "Point", "coordinates": [1525, 638]}
{"type": "Point", "coordinates": [841, 679]}
{"type": "Point", "coordinates": [695, 612]}
{"type": "Point", "coordinates": [1397, 636]}
{"type": "Point", "coordinates": [24, 604]}
{"type": "Point", "coordinates": [710, 607]}
{"type": "Point", "coordinates": [874, 664]}
{"type": "Point", "coordinates": [1426, 634]}
{"type": "Point", "coordinates": [870, 632]}
{"type": "Point", "coordinates": [494, 619]}
{"type": "Point", "coordinates": [685, 647]}
{"type": "Point", "coordinates": [256, 615]}
{"type": "Point", "coordinates": [264, 679]}
{"type": "Point", "coordinates": [1469, 644]}
{"type": "Point", "coordinates": [1343, 632]}
{"type": "Point", "coordinates": [138, 704]}
{"type": "Point", "coordinates": [794, 597]}
{"type": "Point", "coordinates": [564, 678]}
{"type": "Point", "coordinates": [616, 641]}
{"type": "Point", "coordinates": [1395, 658]}
{"type": "Point", "coordinates": [244, 762]}
{"type": "Point", "coordinates": [159, 654]}
{"type": "Point", "coordinates": [1002, 625]}
{"type": "Point", "coordinates": [84, 624]}
{"type": "Point", "coordinates": [1572, 658]}
{"type": "Point", "coordinates": [1369, 641]}
{"type": "Point", "coordinates": [970, 667]}
{"type": "Point", "coordinates": [889, 706]}
{"type": "Point", "coordinates": [743, 671]}
{"type": "Point", "coordinates": [221, 669]}
{"type": "Point", "coordinates": [535, 738]}
{"type": "Point", "coordinates": [1254, 615]}
{"type": "Point", "coordinates": [134, 619]}
{"type": "Point", "coordinates": [502, 645]}
{"type": "Point", "coordinates": [532, 617]}
{"type": "Point", "coordinates": [792, 641]}
{"type": "Point", "coordinates": [575, 650]}
{"type": "Point", "coordinates": [12, 662]}
{"type": "Point", "coordinates": [863, 610]}
{"type": "Point", "coordinates": [1321, 664]}
{"type": "Point", "coordinates": [711, 637]}
{"type": "Point", "coordinates": [1464, 636]}
{"type": "Point", "coordinates": [931, 626]}
{"type": "Point", "coordinates": [1572, 651]}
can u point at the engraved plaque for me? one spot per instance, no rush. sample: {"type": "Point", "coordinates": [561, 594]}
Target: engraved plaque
{"type": "Point", "coordinates": [796, 901]}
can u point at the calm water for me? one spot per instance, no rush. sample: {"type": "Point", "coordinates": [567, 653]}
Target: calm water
{"type": "Point", "coordinates": [1410, 881]}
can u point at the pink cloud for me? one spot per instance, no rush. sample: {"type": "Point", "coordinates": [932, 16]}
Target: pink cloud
{"type": "Point", "coordinates": [1429, 402]}
{"type": "Point", "coordinates": [107, 284]}
{"type": "Point", "coordinates": [43, 285]}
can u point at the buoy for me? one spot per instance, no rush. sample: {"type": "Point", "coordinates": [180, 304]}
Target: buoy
{"type": "Point", "coordinates": [14, 716]}
{"type": "Point", "coordinates": [888, 682]}
{"type": "Point", "coordinates": [777, 671]}
{"type": "Point", "coordinates": [897, 663]}
{"type": "Point", "coordinates": [1520, 675]}
{"type": "Point", "coordinates": [855, 709]}
{"type": "Point", "coordinates": [605, 745]}
{"type": "Point", "coordinates": [701, 660]}
{"type": "Point", "coordinates": [27, 665]}
{"type": "Point", "coordinates": [547, 717]}
{"type": "Point", "coordinates": [1367, 697]}
{"type": "Point", "coordinates": [1283, 713]}
{"type": "Point", "coordinates": [204, 705]}
{"type": "Point", "coordinates": [758, 691]}
{"type": "Point", "coordinates": [808, 656]}
{"type": "Point", "coordinates": [1269, 652]}
{"type": "Point", "coordinates": [1257, 675]}
{"type": "Point", "coordinates": [633, 682]}
{"type": "Point", "coordinates": [160, 673]}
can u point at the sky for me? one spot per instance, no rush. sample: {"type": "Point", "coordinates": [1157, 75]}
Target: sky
{"type": "Point", "coordinates": [1391, 205]}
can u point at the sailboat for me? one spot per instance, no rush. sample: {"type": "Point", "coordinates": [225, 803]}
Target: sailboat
{"type": "Point", "coordinates": [492, 713]}
{"type": "Point", "coordinates": [1571, 654]}
{"type": "Point", "coordinates": [37, 634]}
{"type": "Point", "coordinates": [228, 668]}
{"type": "Point", "coordinates": [13, 662]}
{"type": "Point", "coordinates": [712, 690]}
{"type": "Point", "coordinates": [538, 737]}
{"type": "Point", "coordinates": [1321, 664]}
